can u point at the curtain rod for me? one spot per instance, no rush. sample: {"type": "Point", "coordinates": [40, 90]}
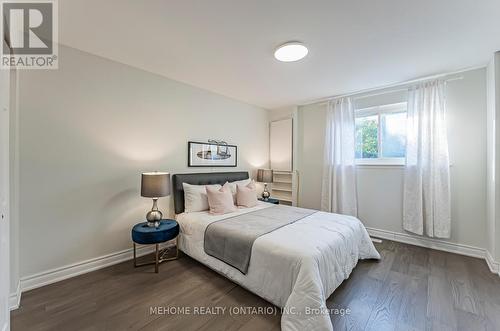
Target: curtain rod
{"type": "Point", "coordinates": [401, 89]}
{"type": "Point", "coordinates": [402, 86]}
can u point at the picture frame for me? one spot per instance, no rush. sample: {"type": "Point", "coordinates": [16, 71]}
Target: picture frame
{"type": "Point", "coordinates": [202, 154]}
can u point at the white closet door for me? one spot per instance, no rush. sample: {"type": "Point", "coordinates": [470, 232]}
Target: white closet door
{"type": "Point", "coordinates": [4, 199]}
{"type": "Point", "coordinates": [281, 145]}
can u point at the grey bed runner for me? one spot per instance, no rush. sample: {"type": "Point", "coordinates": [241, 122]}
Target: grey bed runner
{"type": "Point", "coordinates": [230, 240]}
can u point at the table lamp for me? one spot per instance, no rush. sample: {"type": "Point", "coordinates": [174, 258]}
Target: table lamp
{"type": "Point", "coordinates": [155, 185]}
{"type": "Point", "coordinates": [265, 176]}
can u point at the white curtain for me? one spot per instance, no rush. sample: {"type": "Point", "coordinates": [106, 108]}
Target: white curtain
{"type": "Point", "coordinates": [338, 192]}
{"type": "Point", "coordinates": [427, 179]}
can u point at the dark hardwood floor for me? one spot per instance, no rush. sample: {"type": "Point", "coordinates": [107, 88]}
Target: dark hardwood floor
{"type": "Point", "coordinates": [411, 288]}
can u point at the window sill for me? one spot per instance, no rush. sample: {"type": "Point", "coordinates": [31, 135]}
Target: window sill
{"type": "Point", "coordinates": [380, 166]}
{"type": "Point", "coordinates": [399, 162]}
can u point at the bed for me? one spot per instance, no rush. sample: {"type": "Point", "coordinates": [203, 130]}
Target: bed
{"type": "Point", "coordinates": [296, 267]}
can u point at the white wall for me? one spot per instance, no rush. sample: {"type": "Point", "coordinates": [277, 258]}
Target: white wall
{"type": "Point", "coordinates": [282, 113]}
{"type": "Point", "coordinates": [493, 157]}
{"type": "Point", "coordinates": [311, 129]}
{"type": "Point", "coordinates": [497, 158]}
{"type": "Point", "coordinates": [88, 130]}
{"type": "Point", "coordinates": [14, 185]}
{"type": "Point", "coordinates": [380, 189]}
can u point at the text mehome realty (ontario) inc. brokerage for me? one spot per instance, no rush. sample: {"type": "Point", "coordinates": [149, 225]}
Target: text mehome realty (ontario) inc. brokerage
{"type": "Point", "coordinates": [244, 310]}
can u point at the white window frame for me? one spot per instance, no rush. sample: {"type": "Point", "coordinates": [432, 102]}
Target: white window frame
{"type": "Point", "coordinates": [399, 107]}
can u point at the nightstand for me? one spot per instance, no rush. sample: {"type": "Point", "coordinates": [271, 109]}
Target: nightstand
{"type": "Point", "coordinates": [143, 234]}
{"type": "Point", "coordinates": [271, 200]}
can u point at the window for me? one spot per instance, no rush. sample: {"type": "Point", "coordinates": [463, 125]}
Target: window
{"type": "Point", "coordinates": [381, 134]}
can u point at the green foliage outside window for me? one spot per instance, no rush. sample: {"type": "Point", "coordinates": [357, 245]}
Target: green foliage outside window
{"type": "Point", "coordinates": [367, 137]}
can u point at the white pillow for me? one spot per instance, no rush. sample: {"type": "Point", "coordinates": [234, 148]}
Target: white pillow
{"type": "Point", "coordinates": [234, 184]}
{"type": "Point", "coordinates": [195, 197]}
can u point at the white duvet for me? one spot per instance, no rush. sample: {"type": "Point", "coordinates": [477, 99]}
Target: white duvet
{"type": "Point", "coordinates": [296, 267]}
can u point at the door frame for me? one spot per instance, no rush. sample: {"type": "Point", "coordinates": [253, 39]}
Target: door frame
{"type": "Point", "coordinates": [5, 202]}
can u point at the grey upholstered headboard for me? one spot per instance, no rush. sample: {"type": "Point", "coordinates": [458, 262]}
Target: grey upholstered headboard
{"type": "Point", "coordinates": [201, 179]}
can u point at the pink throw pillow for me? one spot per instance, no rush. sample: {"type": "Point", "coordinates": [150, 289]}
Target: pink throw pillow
{"type": "Point", "coordinates": [220, 200]}
{"type": "Point", "coordinates": [246, 195]}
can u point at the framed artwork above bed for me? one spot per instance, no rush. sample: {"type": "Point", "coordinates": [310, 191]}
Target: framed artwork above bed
{"type": "Point", "coordinates": [212, 154]}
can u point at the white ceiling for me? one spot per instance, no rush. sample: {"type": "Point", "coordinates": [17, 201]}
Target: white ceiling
{"type": "Point", "coordinates": [226, 46]}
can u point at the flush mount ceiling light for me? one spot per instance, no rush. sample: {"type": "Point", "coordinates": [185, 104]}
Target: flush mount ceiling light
{"type": "Point", "coordinates": [290, 52]}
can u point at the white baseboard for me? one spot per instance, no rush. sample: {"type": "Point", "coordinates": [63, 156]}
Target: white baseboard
{"type": "Point", "coordinates": [15, 298]}
{"type": "Point", "coordinates": [75, 269]}
{"type": "Point", "coordinates": [438, 245]}
{"type": "Point", "coordinates": [492, 264]}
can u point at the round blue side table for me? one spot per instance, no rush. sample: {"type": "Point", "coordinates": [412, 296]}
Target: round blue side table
{"type": "Point", "coordinates": [143, 234]}
{"type": "Point", "coordinates": [270, 200]}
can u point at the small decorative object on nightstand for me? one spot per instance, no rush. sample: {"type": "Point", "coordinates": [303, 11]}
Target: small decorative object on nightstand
{"type": "Point", "coordinates": [143, 234]}
{"type": "Point", "coordinates": [155, 185]}
{"type": "Point", "coordinates": [270, 200]}
{"type": "Point", "coordinates": [265, 176]}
